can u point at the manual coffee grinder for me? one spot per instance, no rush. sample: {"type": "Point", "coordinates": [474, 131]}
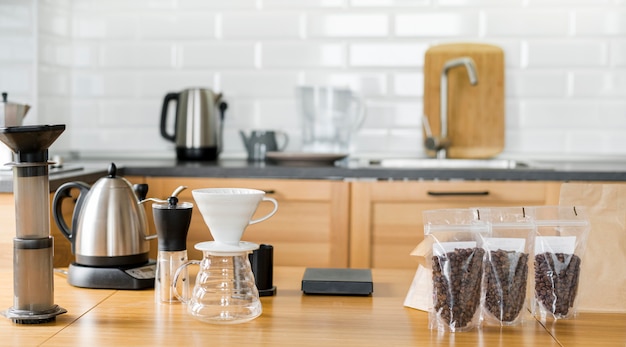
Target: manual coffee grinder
{"type": "Point", "coordinates": [33, 283]}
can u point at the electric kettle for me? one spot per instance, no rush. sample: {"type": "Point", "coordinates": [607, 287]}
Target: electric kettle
{"type": "Point", "coordinates": [108, 223]}
{"type": "Point", "coordinates": [197, 127]}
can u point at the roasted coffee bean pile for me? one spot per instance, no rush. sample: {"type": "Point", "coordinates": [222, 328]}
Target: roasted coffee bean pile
{"type": "Point", "coordinates": [456, 285]}
{"type": "Point", "coordinates": [556, 281]}
{"type": "Point", "coordinates": [506, 273]}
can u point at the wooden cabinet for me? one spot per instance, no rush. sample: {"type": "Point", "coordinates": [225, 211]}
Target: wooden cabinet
{"type": "Point", "coordinates": [386, 217]}
{"type": "Point", "coordinates": [310, 228]}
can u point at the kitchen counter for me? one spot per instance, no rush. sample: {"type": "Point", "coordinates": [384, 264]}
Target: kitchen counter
{"type": "Point", "coordinates": [98, 317]}
{"type": "Point", "coordinates": [90, 170]}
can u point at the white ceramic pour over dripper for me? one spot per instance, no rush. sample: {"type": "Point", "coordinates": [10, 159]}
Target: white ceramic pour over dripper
{"type": "Point", "coordinates": [227, 212]}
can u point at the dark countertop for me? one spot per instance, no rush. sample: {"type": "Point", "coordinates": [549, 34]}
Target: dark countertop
{"type": "Point", "coordinates": [91, 170]}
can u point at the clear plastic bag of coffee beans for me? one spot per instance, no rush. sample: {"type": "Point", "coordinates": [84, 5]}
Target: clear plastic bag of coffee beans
{"type": "Point", "coordinates": [456, 260]}
{"type": "Point", "coordinates": [505, 277]}
{"type": "Point", "coordinates": [561, 235]}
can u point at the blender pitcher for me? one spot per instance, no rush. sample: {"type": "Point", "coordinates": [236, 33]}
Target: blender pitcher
{"type": "Point", "coordinates": [330, 116]}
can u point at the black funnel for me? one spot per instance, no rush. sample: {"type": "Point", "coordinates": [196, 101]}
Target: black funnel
{"type": "Point", "coordinates": [31, 142]}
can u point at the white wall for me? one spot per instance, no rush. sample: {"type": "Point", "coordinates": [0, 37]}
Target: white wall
{"type": "Point", "coordinates": [103, 67]}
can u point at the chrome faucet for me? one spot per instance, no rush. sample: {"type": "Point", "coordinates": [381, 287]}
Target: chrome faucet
{"type": "Point", "coordinates": [441, 143]}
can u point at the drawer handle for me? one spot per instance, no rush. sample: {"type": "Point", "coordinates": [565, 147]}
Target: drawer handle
{"type": "Point", "coordinates": [477, 193]}
{"type": "Point", "coordinates": [270, 191]}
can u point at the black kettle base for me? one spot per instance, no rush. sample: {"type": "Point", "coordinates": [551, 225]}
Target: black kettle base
{"type": "Point", "coordinates": [121, 277]}
{"type": "Point", "coordinates": [197, 154]}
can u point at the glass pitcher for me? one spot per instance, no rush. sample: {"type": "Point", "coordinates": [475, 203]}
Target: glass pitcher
{"type": "Point", "coordinates": [225, 291]}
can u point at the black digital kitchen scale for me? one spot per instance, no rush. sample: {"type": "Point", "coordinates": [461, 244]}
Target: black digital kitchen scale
{"type": "Point", "coordinates": [121, 277]}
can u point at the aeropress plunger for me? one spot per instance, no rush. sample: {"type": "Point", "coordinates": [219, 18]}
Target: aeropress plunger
{"type": "Point", "coordinates": [33, 283]}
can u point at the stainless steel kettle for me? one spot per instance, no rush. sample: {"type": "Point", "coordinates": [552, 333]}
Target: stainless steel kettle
{"type": "Point", "coordinates": [198, 127]}
{"type": "Point", "coordinates": [109, 225]}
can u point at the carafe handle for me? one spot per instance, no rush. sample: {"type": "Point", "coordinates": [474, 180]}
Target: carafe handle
{"type": "Point", "coordinates": [272, 200]}
{"type": "Point", "coordinates": [169, 97]}
{"type": "Point", "coordinates": [175, 279]}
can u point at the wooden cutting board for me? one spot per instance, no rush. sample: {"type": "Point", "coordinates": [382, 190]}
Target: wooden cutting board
{"type": "Point", "coordinates": [475, 113]}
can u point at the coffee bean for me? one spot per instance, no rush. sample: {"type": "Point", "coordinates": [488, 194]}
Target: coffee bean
{"type": "Point", "coordinates": [506, 274]}
{"type": "Point", "coordinates": [556, 281]}
{"type": "Point", "coordinates": [456, 285]}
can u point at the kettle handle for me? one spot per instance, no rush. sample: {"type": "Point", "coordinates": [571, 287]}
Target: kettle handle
{"type": "Point", "coordinates": [169, 97]}
{"type": "Point", "coordinates": [61, 194]}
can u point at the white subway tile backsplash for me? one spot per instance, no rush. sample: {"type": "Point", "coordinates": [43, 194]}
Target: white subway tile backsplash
{"type": "Point", "coordinates": [217, 55]}
{"type": "Point", "coordinates": [533, 83]}
{"type": "Point", "coordinates": [300, 54]}
{"type": "Point", "coordinates": [17, 79]}
{"type": "Point", "coordinates": [273, 4]}
{"type": "Point", "coordinates": [569, 3]}
{"type": "Point", "coordinates": [133, 113]}
{"type": "Point", "coordinates": [405, 142]}
{"type": "Point", "coordinates": [594, 84]}
{"type": "Point", "coordinates": [567, 53]}
{"type": "Point", "coordinates": [347, 25]}
{"type": "Point", "coordinates": [259, 83]}
{"type": "Point", "coordinates": [437, 24]}
{"type": "Point", "coordinates": [16, 18]}
{"type": "Point", "coordinates": [387, 54]}
{"type": "Point", "coordinates": [393, 115]}
{"type": "Point", "coordinates": [181, 26]}
{"type": "Point", "coordinates": [105, 26]}
{"type": "Point", "coordinates": [158, 83]}
{"type": "Point", "coordinates": [218, 4]}
{"type": "Point", "coordinates": [17, 50]}
{"type": "Point", "coordinates": [54, 21]}
{"type": "Point", "coordinates": [477, 3]}
{"type": "Point", "coordinates": [364, 83]}
{"type": "Point", "coordinates": [561, 114]}
{"type": "Point", "coordinates": [541, 141]}
{"type": "Point", "coordinates": [54, 81]}
{"type": "Point", "coordinates": [104, 66]}
{"type": "Point", "coordinates": [389, 3]}
{"type": "Point", "coordinates": [598, 22]}
{"type": "Point", "coordinates": [618, 53]}
{"type": "Point", "coordinates": [137, 55]}
{"type": "Point", "coordinates": [544, 23]}
{"type": "Point", "coordinates": [267, 26]}
{"type": "Point", "coordinates": [408, 84]}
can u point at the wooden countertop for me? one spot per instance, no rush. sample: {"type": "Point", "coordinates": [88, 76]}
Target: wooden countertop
{"type": "Point", "coordinates": [132, 318]}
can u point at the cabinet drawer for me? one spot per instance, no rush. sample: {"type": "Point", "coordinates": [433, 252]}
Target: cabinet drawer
{"type": "Point", "coordinates": [387, 219]}
{"type": "Point", "coordinates": [309, 229]}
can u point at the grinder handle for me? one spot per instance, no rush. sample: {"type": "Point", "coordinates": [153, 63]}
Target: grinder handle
{"type": "Point", "coordinates": [61, 194]}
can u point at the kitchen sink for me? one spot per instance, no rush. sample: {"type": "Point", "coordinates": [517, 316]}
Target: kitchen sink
{"type": "Point", "coordinates": [424, 163]}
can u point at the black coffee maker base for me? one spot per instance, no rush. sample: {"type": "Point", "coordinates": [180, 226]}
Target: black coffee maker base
{"type": "Point", "coordinates": [136, 277]}
{"type": "Point", "coordinates": [197, 154]}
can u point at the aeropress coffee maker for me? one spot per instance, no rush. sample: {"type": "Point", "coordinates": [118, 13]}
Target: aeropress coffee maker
{"type": "Point", "coordinates": [33, 283]}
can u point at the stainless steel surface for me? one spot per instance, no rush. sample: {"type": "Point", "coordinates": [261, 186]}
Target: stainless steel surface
{"type": "Point", "coordinates": [452, 163]}
{"type": "Point", "coordinates": [441, 143]}
{"type": "Point", "coordinates": [197, 121]}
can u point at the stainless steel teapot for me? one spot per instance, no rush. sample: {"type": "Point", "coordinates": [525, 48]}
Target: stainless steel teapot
{"type": "Point", "coordinates": [109, 225]}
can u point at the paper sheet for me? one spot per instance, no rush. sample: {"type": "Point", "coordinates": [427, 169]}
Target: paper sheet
{"type": "Point", "coordinates": [602, 286]}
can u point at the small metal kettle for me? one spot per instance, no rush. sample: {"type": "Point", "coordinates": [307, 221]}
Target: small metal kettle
{"type": "Point", "coordinates": [198, 127]}
{"type": "Point", "coordinates": [109, 224]}
{"type": "Point", "coordinates": [11, 115]}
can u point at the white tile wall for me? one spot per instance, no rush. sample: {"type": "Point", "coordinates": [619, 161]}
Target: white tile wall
{"type": "Point", "coordinates": [103, 67]}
